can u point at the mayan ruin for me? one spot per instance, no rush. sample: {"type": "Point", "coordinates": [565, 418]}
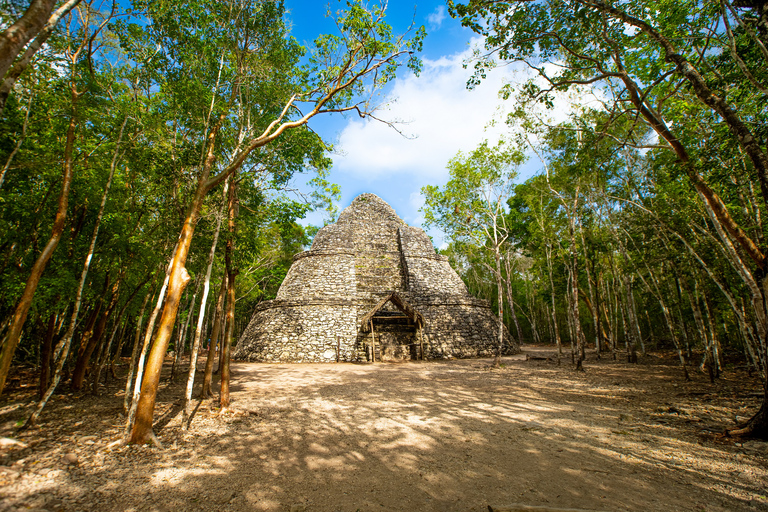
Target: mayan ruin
{"type": "Point", "coordinates": [371, 288]}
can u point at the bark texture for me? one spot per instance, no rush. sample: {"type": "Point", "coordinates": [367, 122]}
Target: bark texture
{"type": "Point", "coordinates": [16, 36]}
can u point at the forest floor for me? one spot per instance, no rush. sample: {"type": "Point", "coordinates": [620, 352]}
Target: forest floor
{"type": "Point", "coordinates": [435, 436]}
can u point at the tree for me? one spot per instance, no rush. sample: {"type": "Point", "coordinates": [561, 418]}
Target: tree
{"type": "Point", "coordinates": [652, 62]}
{"type": "Point", "coordinates": [343, 71]}
{"type": "Point", "coordinates": [16, 36]}
{"type": "Point", "coordinates": [471, 208]}
{"type": "Point", "coordinates": [37, 10]}
{"type": "Point", "coordinates": [81, 50]}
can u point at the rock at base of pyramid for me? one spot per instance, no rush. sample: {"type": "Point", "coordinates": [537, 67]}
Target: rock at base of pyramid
{"type": "Point", "coordinates": [371, 288]}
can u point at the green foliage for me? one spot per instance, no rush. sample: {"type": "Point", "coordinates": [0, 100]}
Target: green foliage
{"type": "Point", "coordinates": [471, 203]}
{"type": "Point", "coordinates": [611, 176]}
{"type": "Point", "coordinates": [177, 73]}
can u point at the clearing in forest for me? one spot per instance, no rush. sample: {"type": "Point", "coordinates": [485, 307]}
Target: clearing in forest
{"type": "Point", "coordinates": [434, 436]}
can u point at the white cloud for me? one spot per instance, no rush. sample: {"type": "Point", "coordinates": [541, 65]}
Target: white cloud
{"type": "Point", "coordinates": [436, 18]}
{"type": "Point", "coordinates": [440, 114]}
{"type": "Point", "coordinates": [416, 201]}
{"type": "Point", "coordinates": [443, 117]}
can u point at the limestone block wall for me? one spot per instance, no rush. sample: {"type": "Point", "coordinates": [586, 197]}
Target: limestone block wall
{"type": "Point", "coordinates": [434, 277]}
{"type": "Point", "coordinates": [300, 332]}
{"type": "Point", "coordinates": [376, 274]}
{"type": "Point", "coordinates": [334, 237]}
{"type": "Point", "coordinates": [317, 274]}
{"type": "Point", "coordinates": [415, 242]}
{"type": "Point", "coordinates": [428, 274]}
{"type": "Point", "coordinates": [460, 330]}
{"type": "Point", "coordinates": [351, 265]}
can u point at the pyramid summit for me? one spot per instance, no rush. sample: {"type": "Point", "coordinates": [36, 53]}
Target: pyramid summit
{"type": "Point", "coordinates": [370, 288]}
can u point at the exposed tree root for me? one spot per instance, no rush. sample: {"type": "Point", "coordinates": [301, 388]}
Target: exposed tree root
{"type": "Point", "coordinates": [756, 427]}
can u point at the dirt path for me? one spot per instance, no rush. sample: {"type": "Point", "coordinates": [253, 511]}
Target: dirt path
{"type": "Point", "coordinates": [438, 436]}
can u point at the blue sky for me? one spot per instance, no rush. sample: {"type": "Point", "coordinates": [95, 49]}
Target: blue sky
{"type": "Point", "coordinates": [441, 116]}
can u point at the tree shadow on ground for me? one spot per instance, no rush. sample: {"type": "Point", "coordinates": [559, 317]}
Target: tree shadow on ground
{"type": "Point", "coordinates": [440, 436]}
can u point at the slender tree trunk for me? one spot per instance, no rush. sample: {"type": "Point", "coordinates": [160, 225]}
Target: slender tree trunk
{"type": "Point", "coordinates": [610, 334]}
{"type": "Point", "coordinates": [510, 299]}
{"type": "Point", "coordinates": [182, 339]}
{"type": "Point", "coordinates": [569, 313]}
{"type": "Point", "coordinates": [578, 332]}
{"type": "Point", "coordinates": [103, 361]}
{"type": "Point", "coordinates": [232, 272]}
{"type": "Point", "coordinates": [134, 354]}
{"type": "Point", "coordinates": [86, 351]}
{"type": "Point", "coordinates": [17, 35]}
{"type": "Point", "coordinates": [103, 356]}
{"type": "Point", "coordinates": [693, 298]}
{"type": "Point", "coordinates": [668, 318]}
{"type": "Point", "coordinates": [548, 317]}
{"type": "Point", "coordinates": [22, 308]}
{"type": "Point", "coordinates": [628, 337]}
{"type": "Point", "coordinates": [554, 304]}
{"type": "Point", "coordinates": [593, 294]}
{"type": "Point", "coordinates": [120, 345]}
{"type": "Point", "coordinates": [111, 359]}
{"type": "Point", "coordinates": [199, 329]}
{"type": "Point", "coordinates": [226, 344]}
{"type": "Point", "coordinates": [500, 299]}
{"type": "Point", "coordinates": [631, 325]}
{"type": "Point", "coordinates": [714, 342]}
{"type": "Point", "coordinates": [635, 320]}
{"type": "Point", "coordinates": [21, 64]}
{"type": "Point", "coordinates": [144, 349]}
{"type": "Point", "coordinates": [179, 278]}
{"type": "Point", "coordinates": [46, 356]}
{"type": "Point", "coordinates": [214, 340]}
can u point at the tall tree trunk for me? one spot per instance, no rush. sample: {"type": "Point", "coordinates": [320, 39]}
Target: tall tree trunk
{"type": "Point", "coordinates": [500, 299]}
{"type": "Point", "coordinates": [548, 250]}
{"type": "Point", "coordinates": [693, 298]}
{"type": "Point", "coordinates": [569, 313]}
{"type": "Point", "coordinates": [218, 318]}
{"type": "Point", "coordinates": [103, 356]}
{"type": "Point", "coordinates": [182, 339]}
{"type": "Point", "coordinates": [629, 341]}
{"type": "Point", "coordinates": [593, 293]}
{"type": "Point", "coordinates": [17, 35]}
{"type": "Point", "coordinates": [46, 355]}
{"type": "Point", "coordinates": [510, 299]}
{"type": "Point", "coordinates": [226, 345]}
{"type": "Point", "coordinates": [102, 361]}
{"type": "Point", "coordinates": [13, 74]}
{"type": "Point", "coordinates": [179, 278]}
{"type": "Point", "coordinates": [633, 334]}
{"type": "Point", "coordinates": [578, 331]}
{"type": "Point", "coordinates": [22, 308]}
{"type": "Point", "coordinates": [134, 354]}
{"type": "Point", "coordinates": [714, 342]}
{"type": "Point", "coordinates": [232, 272]}
{"type": "Point", "coordinates": [86, 350]}
{"type": "Point", "coordinates": [633, 315]}
{"type": "Point", "coordinates": [199, 329]}
{"type": "Point", "coordinates": [144, 349]}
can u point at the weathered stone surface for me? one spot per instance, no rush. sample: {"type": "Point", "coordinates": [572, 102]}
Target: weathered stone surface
{"type": "Point", "coordinates": [352, 265]}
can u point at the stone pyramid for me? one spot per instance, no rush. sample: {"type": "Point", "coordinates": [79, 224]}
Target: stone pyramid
{"type": "Point", "coordinates": [370, 288]}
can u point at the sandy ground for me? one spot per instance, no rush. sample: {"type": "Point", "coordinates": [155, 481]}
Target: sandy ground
{"type": "Point", "coordinates": [435, 436]}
